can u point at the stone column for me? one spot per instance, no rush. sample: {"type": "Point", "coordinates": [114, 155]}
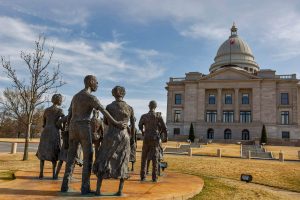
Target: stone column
{"type": "Point", "coordinates": [298, 103]}
{"type": "Point", "coordinates": [219, 105]}
{"type": "Point", "coordinates": [236, 105]}
{"type": "Point", "coordinates": [201, 105]}
{"type": "Point", "coordinates": [256, 104]}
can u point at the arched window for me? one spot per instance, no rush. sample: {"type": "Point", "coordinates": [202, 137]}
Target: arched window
{"type": "Point", "coordinates": [227, 134]}
{"type": "Point", "coordinates": [245, 135]}
{"type": "Point", "coordinates": [210, 133]}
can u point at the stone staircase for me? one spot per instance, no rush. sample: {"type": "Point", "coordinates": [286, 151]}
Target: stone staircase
{"type": "Point", "coordinates": [182, 149]}
{"type": "Point", "coordinates": [257, 151]}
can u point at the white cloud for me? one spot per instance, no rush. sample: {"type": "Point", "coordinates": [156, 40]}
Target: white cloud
{"type": "Point", "coordinates": [205, 31]}
{"type": "Point", "coordinates": [62, 12]}
{"type": "Point", "coordinates": [67, 16]}
{"type": "Point", "coordinates": [77, 57]}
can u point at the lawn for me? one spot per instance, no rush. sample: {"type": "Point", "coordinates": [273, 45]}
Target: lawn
{"type": "Point", "coordinates": [18, 140]}
{"type": "Point", "coordinates": [221, 175]}
{"type": "Point", "coordinates": [290, 153]}
{"type": "Point", "coordinates": [264, 172]}
{"type": "Point", "coordinates": [233, 150]}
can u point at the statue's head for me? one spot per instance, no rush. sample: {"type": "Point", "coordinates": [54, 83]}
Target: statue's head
{"type": "Point", "coordinates": [56, 99]}
{"type": "Point", "coordinates": [152, 105]}
{"type": "Point", "coordinates": [90, 81]}
{"type": "Point", "coordinates": [118, 92]}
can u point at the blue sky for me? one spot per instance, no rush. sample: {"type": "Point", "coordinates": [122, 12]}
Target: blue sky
{"type": "Point", "coordinates": [140, 44]}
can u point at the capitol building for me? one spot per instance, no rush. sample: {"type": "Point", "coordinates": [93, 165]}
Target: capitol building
{"type": "Point", "coordinates": [235, 100]}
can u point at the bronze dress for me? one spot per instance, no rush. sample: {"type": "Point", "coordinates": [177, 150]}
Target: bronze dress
{"type": "Point", "coordinates": [114, 152]}
{"type": "Point", "coordinates": [50, 144]}
{"type": "Point", "coordinates": [133, 143]}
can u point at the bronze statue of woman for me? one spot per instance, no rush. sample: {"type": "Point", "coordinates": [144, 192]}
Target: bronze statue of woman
{"type": "Point", "coordinates": [49, 146]}
{"type": "Point", "coordinates": [113, 156]}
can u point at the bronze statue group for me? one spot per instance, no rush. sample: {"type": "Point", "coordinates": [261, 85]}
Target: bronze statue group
{"type": "Point", "coordinates": [113, 150]}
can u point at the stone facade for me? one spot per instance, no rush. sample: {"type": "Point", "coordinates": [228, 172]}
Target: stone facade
{"type": "Point", "coordinates": [235, 100]}
{"type": "Point", "coordinates": [264, 105]}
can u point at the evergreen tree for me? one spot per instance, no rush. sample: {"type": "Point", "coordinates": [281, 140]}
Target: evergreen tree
{"type": "Point", "coordinates": [191, 133]}
{"type": "Point", "coordinates": [263, 138]}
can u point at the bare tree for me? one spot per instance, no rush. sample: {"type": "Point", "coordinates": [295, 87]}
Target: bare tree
{"type": "Point", "coordinates": [26, 96]}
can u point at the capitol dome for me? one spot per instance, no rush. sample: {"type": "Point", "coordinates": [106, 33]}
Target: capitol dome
{"type": "Point", "coordinates": [235, 52]}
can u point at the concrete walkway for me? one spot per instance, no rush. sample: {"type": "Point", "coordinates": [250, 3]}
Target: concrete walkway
{"type": "Point", "coordinates": [170, 186]}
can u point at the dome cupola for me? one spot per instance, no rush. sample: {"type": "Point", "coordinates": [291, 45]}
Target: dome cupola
{"type": "Point", "coordinates": [235, 52]}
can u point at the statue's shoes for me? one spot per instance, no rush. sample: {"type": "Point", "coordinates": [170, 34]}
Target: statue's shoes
{"type": "Point", "coordinates": [143, 179]}
{"type": "Point", "coordinates": [86, 192]}
{"type": "Point", "coordinates": [119, 193]}
{"type": "Point", "coordinates": [98, 194]}
{"type": "Point", "coordinates": [64, 189]}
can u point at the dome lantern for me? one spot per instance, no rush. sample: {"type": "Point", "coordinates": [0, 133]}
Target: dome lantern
{"type": "Point", "coordinates": [233, 30]}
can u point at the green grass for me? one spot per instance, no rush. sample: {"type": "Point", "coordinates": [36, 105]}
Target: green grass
{"type": "Point", "coordinates": [214, 189]}
{"type": "Point", "coordinates": [7, 175]}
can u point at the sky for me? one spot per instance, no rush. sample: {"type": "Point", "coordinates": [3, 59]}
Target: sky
{"type": "Point", "coordinates": [141, 44]}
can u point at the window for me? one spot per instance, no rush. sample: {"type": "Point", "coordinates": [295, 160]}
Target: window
{"type": "Point", "coordinates": [228, 116]}
{"type": "Point", "coordinates": [245, 135]}
{"type": "Point", "coordinates": [245, 116]}
{"type": "Point", "coordinates": [177, 116]}
{"type": "Point", "coordinates": [176, 131]}
{"type": "Point", "coordinates": [284, 98]}
{"type": "Point", "coordinates": [285, 117]}
{"type": "Point", "coordinates": [178, 99]}
{"type": "Point", "coordinates": [211, 116]}
{"type": "Point", "coordinates": [210, 133]}
{"type": "Point", "coordinates": [285, 135]}
{"type": "Point", "coordinates": [212, 99]}
{"type": "Point", "coordinates": [245, 98]}
{"type": "Point", "coordinates": [227, 134]}
{"type": "Point", "coordinates": [228, 99]}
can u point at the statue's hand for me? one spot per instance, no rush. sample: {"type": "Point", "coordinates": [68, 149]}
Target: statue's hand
{"type": "Point", "coordinates": [121, 125]}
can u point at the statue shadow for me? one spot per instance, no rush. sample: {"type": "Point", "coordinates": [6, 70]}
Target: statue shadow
{"type": "Point", "coordinates": [11, 191]}
{"type": "Point", "coordinates": [24, 192]}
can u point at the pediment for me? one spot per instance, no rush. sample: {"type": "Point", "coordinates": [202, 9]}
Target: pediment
{"type": "Point", "coordinates": [230, 74]}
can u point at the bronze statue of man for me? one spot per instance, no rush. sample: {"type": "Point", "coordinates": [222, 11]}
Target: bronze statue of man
{"type": "Point", "coordinates": [152, 125]}
{"type": "Point", "coordinates": [97, 129]}
{"type": "Point", "coordinates": [80, 111]}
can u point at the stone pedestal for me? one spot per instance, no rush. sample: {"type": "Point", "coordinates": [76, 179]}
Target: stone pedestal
{"type": "Point", "coordinates": [14, 147]}
{"type": "Point", "coordinates": [249, 155]}
{"type": "Point", "coordinates": [241, 150]}
{"type": "Point", "coordinates": [281, 156]}
{"type": "Point", "coordinates": [190, 152]}
{"type": "Point", "coordinates": [172, 186]}
{"type": "Point", "coordinates": [219, 153]}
